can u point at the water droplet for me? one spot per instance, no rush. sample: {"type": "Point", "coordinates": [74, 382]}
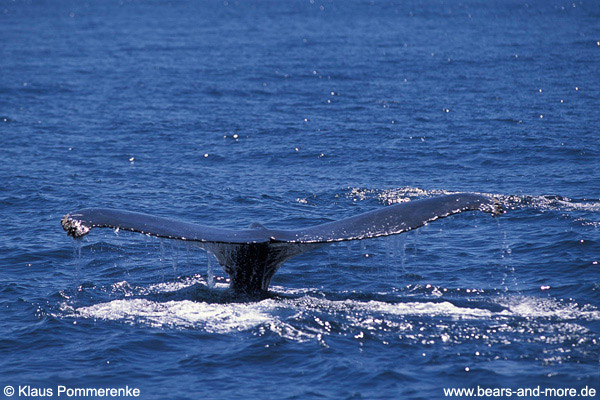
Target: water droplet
{"type": "Point", "coordinates": [210, 270]}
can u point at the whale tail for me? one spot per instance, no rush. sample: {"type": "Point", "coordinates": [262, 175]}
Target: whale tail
{"type": "Point", "coordinates": [252, 256]}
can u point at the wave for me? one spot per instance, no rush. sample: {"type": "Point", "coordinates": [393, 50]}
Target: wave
{"type": "Point", "coordinates": [308, 314]}
{"type": "Point", "coordinates": [511, 201]}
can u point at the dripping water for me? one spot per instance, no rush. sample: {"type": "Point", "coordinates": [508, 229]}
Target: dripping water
{"type": "Point", "coordinates": [395, 250]}
{"type": "Point", "coordinates": [174, 257]}
{"type": "Point", "coordinates": [416, 238]}
{"type": "Point", "coordinates": [162, 251]}
{"type": "Point", "coordinates": [188, 247]}
{"type": "Point", "coordinates": [161, 244]}
{"type": "Point", "coordinates": [77, 243]}
{"type": "Point", "coordinates": [210, 270]}
{"type": "Point", "coordinates": [402, 246]}
{"type": "Point", "coordinates": [506, 262]}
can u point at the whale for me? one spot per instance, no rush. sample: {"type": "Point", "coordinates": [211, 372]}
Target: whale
{"type": "Point", "coordinates": [252, 256]}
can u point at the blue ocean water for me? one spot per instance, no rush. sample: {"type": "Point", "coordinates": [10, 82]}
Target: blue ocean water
{"type": "Point", "coordinates": [292, 114]}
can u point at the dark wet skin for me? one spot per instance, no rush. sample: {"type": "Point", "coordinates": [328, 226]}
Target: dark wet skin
{"type": "Point", "coordinates": [252, 256]}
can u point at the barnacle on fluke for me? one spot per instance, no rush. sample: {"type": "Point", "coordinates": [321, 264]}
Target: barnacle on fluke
{"type": "Point", "coordinates": [74, 227]}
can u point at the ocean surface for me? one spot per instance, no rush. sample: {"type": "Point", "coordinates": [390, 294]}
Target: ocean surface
{"type": "Point", "coordinates": [291, 114]}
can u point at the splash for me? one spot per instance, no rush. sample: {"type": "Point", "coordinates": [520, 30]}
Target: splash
{"type": "Point", "coordinates": [294, 315]}
{"type": "Point", "coordinates": [510, 201]}
{"type": "Point", "coordinates": [212, 318]}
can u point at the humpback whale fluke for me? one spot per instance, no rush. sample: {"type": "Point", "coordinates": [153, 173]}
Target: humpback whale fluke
{"type": "Point", "coordinates": [252, 256]}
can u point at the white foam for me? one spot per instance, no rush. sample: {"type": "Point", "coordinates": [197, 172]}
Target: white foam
{"type": "Point", "coordinates": [166, 287]}
{"type": "Point", "coordinates": [544, 202]}
{"type": "Point", "coordinates": [429, 309]}
{"type": "Point", "coordinates": [214, 318]}
{"type": "Point", "coordinates": [531, 307]}
{"type": "Point", "coordinates": [288, 317]}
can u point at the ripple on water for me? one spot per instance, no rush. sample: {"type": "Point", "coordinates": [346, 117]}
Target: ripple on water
{"type": "Point", "coordinates": [307, 315]}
